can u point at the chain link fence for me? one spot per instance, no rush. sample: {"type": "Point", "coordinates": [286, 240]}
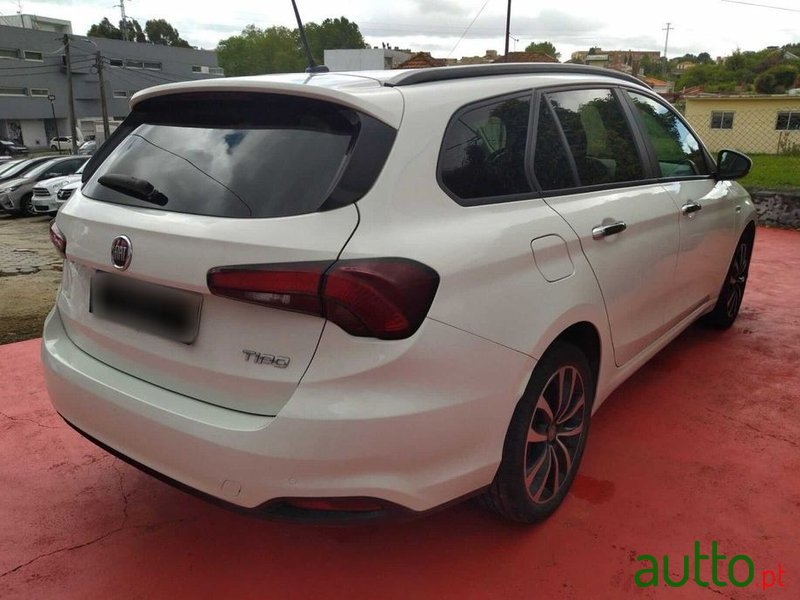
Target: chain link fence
{"type": "Point", "coordinates": [769, 126]}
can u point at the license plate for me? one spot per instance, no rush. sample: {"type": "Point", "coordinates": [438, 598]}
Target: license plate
{"type": "Point", "coordinates": [155, 309]}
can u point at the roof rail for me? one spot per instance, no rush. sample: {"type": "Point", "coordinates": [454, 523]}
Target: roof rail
{"type": "Point", "coordinates": [430, 74]}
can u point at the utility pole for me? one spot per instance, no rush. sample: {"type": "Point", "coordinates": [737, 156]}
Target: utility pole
{"type": "Point", "coordinates": [52, 98]}
{"type": "Point", "coordinates": [668, 28]}
{"type": "Point", "coordinates": [508, 26]}
{"type": "Point", "coordinates": [103, 105]}
{"type": "Point", "coordinates": [71, 97]}
{"type": "Point", "coordinates": [123, 20]}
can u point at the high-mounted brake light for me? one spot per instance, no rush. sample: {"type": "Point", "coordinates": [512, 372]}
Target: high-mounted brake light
{"type": "Point", "coordinates": [58, 239]}
{"type": "Point", "coordinates": [386, 298]}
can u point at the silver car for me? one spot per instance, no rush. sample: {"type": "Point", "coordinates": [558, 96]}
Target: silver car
{"type": "Point", "coordinates": [16, 195]}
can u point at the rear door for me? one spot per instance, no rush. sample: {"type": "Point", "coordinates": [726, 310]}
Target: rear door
{"type": "Point", "coordinates": [235, 180]}
{"type": "Point", "coordinates": [592, 171]}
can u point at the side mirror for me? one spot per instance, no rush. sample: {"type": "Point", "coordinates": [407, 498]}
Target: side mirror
{"type": "Point", "coordinates": [732, 165]}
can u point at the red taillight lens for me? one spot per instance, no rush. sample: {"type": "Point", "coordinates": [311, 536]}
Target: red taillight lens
{"type": "Point", "coordinates": [58, 239]}
{"type": "Point", "coordinates": [386, 298]}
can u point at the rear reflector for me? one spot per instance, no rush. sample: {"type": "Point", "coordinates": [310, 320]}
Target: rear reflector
{"type": "Point", "coordinates": [386, 298]}
{"type": "Point", "coordinates": [337, 504]}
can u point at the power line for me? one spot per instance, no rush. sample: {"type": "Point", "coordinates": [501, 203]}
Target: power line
{"type": "Point", "coordinates": [762, 5]}
{"type": "Point", "coordinates": [471, 23]}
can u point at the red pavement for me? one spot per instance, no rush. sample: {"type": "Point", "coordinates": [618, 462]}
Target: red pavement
{"type": "Point", "coordinates": [702, 444]}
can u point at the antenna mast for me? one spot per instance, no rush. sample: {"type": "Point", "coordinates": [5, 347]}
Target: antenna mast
{"type": "Point", "coordinates": [312, 66]}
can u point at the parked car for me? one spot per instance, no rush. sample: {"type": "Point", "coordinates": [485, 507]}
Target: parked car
{"type": "Point", "coordinates": [16, 195]}
{"type": "Point", "coordinates": [88, 147]}
{"type": "Point", "coordinates": [20, 167]}
{"type": "Point", "coordinates": [380, 292]}
{"type": "Point", "coordinates": [9, 163]}
{"type": "Point", "coordinates": [66, 192]}
{"type": "Point", "coordinates": [9, 148]}
{"type": "Point", "coordinates": [61, 143]}
{"type": "Point", "coordinates": [45, 192]}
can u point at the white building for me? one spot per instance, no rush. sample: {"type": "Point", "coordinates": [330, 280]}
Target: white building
{"type": "Point", "coordinates": [364, 59]}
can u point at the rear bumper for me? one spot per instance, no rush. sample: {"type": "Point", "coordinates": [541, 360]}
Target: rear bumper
{"type": "Point", "coordinates": [415, 452]}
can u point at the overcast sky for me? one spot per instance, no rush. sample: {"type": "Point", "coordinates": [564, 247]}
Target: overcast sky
{"type": "Point", "coordinates": [713, 26]}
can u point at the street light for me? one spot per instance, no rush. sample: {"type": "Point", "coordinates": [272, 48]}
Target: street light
{"type": "Point", "coordinates": [52, 98]}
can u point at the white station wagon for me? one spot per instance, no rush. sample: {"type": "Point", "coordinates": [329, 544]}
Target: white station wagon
{"type": "Point", "coordinates": [347, 295]}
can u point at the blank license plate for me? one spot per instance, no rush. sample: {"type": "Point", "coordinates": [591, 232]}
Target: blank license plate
{"type": "Point", "coordinates": [156, 309]}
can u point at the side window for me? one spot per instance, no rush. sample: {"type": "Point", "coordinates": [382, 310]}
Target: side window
{"type": "Point", "coordinates": [483, 152]}
{"type": "Point", "coordinates": [599, 136]}
{"type": "Point", "coordinates": [678, 152]}
{"type": "Point", "coordinates": [551, 165]}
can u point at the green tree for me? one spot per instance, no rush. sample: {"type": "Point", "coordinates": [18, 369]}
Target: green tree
{"type": "Point", "coordinates": [161, 32]}
{"type": "Point", "coordinates": [134, 31]}
{"type": "Point", "coordinates": [704, 58]}
{"type": "Point", "coordinates": [256, 51]}
{"type": "Point", "coordinates": [156, 31]}
{"type": "Point", "coordinates": [333, 34]}
{"type": "Point", "coordinates": [105, 29]}
{"type": "Point", "coordinates": [546, 48]}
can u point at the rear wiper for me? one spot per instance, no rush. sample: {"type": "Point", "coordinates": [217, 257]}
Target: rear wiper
{"type": "Point", "coordinates": [136, 188]}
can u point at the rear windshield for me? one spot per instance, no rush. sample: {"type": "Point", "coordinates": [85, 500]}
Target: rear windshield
{"type": "Point", "coordinates": [242, 156]}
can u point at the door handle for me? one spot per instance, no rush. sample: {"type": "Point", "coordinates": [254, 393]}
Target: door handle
{"type": "Point", "coordinates": [601, 231]}
{"type": "Point", "coordinates": [691, 207]}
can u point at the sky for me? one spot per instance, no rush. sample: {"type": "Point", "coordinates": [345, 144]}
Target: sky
{"type": "Point", "coordinates": [437, 26]}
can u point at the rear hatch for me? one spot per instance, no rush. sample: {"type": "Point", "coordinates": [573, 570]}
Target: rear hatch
{"type": "Point", "coordinates": [196, 181]}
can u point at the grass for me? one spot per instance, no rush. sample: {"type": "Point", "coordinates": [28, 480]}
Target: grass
{"type": "Point", "coordinates": [773, 172]}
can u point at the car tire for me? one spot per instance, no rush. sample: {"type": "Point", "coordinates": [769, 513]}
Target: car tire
{"type": "Point", "coordinates": [546, 438]}
{"type": "Point", "coordinates": [731, 295]}
{"type": "Point", "coordinates": [53, 147]}
{"type": "Point", "coordinates": [26, 206]}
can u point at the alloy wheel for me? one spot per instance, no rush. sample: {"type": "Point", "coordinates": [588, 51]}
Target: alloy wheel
{"type": "Point", "coordinates": [555, 433]}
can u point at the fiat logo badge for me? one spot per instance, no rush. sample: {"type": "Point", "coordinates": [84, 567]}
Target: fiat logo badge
{"type": "Point", "coordinates": [121, 252]}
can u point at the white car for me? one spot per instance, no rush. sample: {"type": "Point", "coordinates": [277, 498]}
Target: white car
{"type": "Point", "coordinates": [61, 143]}
{"type": "Point", "coordinates": [66, 192]}
{"type": "Point", "coordinates": [352, 295]}
{"type": "Point", "coordinates": [45, 194]}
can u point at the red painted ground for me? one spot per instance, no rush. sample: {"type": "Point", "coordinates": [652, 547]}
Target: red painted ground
{"type": "Point", "coordinates": [702, 444]}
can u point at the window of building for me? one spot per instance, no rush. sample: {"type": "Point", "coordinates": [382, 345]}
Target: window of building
{"type": "Point", "coordinates": [120, 93]}
{"type": "Point", "coordinates": [40, 92]}
{"type": "Point", "coordinates": [152, 66]}
{"type": "Point", "coordinates": [483, 152]}
{"type": "Point", "coordinates": [598, 135]}
{"type": "Point", "coordinates": [678, 152]}
{"type": "Point", "coordinates": [9, 53]}
{"type": "Point", "coordinates": [133, 64]}
{"type": "Point", "coordinates": [33, 55]}
{"type": "Point", "coordinates": [116, 62]}
{"type": "Point", "coordinates": [216, 70]}
{"type": "Point", "coordinates": [13, 91]}
{"type": "Point", "coordinates": [788, 120]}
{"type": "Point", "coordinates": [197, 69]}
{"type": "Point", "coordinates": [721, 119]}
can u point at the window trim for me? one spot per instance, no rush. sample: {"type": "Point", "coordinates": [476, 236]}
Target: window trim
{"type": "Point", "coordinates": [11, 87]}
{"type": "Point", "coordinates": [534, 194]}
{"type": "Point", "coordinates": [45, 90]}
{"type": "Point", "coordinates": [3, 57]}
{"type": "Point", "coordinates": [711, 164]}
{"type": "Point", "coordinates": [791, 113]}
{"type": "Point", "coordinates": [40, 53]}
{"type": "Point", "coordinates": [732, 113]}
{"type": "Point", "coordinates": [636, 131]}
{"type": "Point", "coordinates": [120, 94]}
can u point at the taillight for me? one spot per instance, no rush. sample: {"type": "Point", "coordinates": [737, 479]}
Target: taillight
{"type": "Point", "coordinates": [58, 239]}
{"type": "Point", "coordinates": [386, 298]}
